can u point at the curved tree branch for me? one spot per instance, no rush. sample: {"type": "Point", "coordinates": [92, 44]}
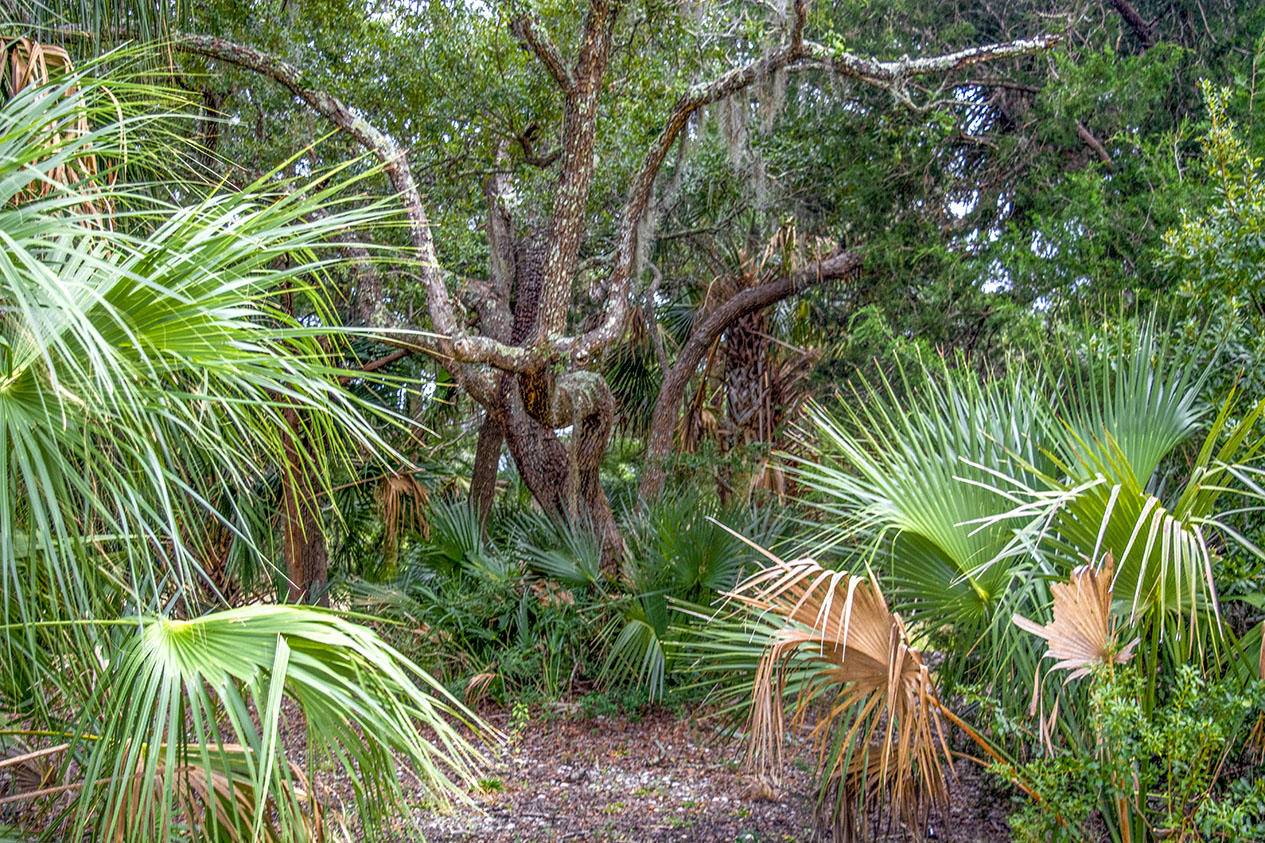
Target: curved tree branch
{"type": "Point", "coordinates": [456, 342]}
{"type": "Point", "coordinates": [577, 171]}
{"type": "Point", "coordinates": [750, 300]}
{"type": "Point", "coordinates": [886, 73]}
{"type": "Point", "coordinates": [524, 28]}
{"type": "Point", "coordinates": [796, 55]}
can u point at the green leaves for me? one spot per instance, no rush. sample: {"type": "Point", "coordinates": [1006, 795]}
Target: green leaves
{"type": "Point", "coordinates": [147, 367]}
{"type": "Point", "coordinates": [967, 495]}
{"type": "Point", "coordinates": [1115, 490]}
{"type": "Point", "coordinates": [207, 706]}
{"type": "Point", "coordinates": [907, 475]}
{"type": "Point", "coordinates": [163, 346]}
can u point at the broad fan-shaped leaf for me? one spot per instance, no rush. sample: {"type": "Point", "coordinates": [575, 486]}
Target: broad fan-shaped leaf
{"type": "Point", "coordinates": [1082, 634]}
{"type": "Point", "coordinates": [211, 697]}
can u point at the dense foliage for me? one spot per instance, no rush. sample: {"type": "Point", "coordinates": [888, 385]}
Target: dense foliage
{"type": "Point", "coordinates": [366, 362]}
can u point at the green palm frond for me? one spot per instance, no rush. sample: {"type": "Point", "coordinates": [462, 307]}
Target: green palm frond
{"type": "Point", "coordinates": [905, 475]}
{"type": "Point", "coordinates": [681, 553]}
{"type": "Point", "coordinates": [566, 553]}
{"type": "Point", "coordinates": [1126, 482]}
{"type": "Point", "coordinates": [1165, 543]}
{"type": "Point", "coordinates": [186, 701]}
{"type": "Point", "coordinates": [146, 368]}
{"type": "Point", "coordinates": [635, 645]}
{"type": "Point", "coordinates": [1126, 407]}
{"type": "Point", "coordinates": [151, 384]}
{"type": "Point", "coordinates": [457, 545]}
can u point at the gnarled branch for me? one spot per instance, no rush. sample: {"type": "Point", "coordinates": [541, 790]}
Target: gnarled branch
{"type": "Point", "coordinates": [456, 342]}
{"type": "Point", "coordinates": [524, 28]}
{"type": "Point", "coordinates": [796, 55]}
{"type": "Point", "coordinates": [576, 174]}
{"type": "Point", "coordinates": [750, 300]}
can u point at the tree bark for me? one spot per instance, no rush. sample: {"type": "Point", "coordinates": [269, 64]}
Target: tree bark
{"type": "Point", "coordinates": [663, 418]}
{"type": "Point", "coordinates": [303, 533]}
{"type": "Point", "coordinates": [562, 477]}
{"type": "Point", "coordinates": [515, 380]}
{"type": "Point", "coordinates": [575, 177]}
{"type": "Point", "coordinates": [1142, 29]}
{"type": "Point", "coordinates": [487, 463]}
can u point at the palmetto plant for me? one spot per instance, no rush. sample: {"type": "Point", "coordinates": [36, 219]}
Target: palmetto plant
{"type": "Point", "coordinates": [678, 553]}
{"type": "Point", "coordinates": [967, 498]}
{"type": "Point", "coordinates": [825, 643]}
{"type": "Point", "coordinates": [149, 379]}
{"type": "Point", "coordinates": [903, 479]}
{"type": "Point", "coordinates": [175, 713]}
{"type": "Point", "coordinates": [883, 738]}
{"type": "Point", "coordinates": [1115, 490]}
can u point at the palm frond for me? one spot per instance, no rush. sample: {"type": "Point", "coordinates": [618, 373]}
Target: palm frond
{"type": "Point", "coordinates": [882, 738]}
{"type": "Point", "coordinates": [150, 381]}
{"type": "Point", "coordinates": [201, 702]}
{"type": "Point", "coordinates": [1082, 634]}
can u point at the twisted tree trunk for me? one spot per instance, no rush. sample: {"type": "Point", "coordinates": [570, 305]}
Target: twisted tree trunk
{"type": "Point", "coordinates": [487, 464]}
{"type": "Point", "coordinates": [303, 532]}
{"type": "Point", "coordinates": [541, 379]}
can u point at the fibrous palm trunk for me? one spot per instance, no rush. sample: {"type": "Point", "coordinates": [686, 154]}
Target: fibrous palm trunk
{"type": "Point", "coordinates": [303, 532]}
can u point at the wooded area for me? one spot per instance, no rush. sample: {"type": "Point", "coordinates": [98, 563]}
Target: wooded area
{"type": "Point", "coordinates": [870, 391]}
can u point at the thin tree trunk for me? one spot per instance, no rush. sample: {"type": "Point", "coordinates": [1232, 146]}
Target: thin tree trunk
{"type": "Point", "coordinates": [303, 534]}
{"type": "Point", "coordinates": [672, 390]}
{"type": "Point", "coordinates": [487, 463]}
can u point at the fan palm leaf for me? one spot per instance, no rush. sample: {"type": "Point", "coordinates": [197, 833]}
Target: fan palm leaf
{"type": "Point", "coordinates": [902, 478]}
{"type": "Point", "coordinates": [882, 738]}
{"type": "Point", "coordinates": [200, 702]}
{"type": "Point", "coordinates": [150, 380]}
{"type": "Point", "coordinates": [903, 472]}
{"type": "Point", "coordinates": [1082, 634]}
{"type": "Point", "coordinates": [1107, 495]}
{"type": "Point", "coordinates": [146, 369]}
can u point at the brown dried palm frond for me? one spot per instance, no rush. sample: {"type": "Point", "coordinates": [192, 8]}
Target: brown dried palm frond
{"type": "Point", "coordinates": [404, 502]}
{"type": "Point", "coordinates": [881, 739]}
{"type": "Point", "coordinates": [213, 797]}
{"type": "Point", "coordinates": [205, 797]}
{"type": "Point", "coordinates": [26, 64]}
{"type": "Point", "coordinates": [477, 686]}
{"type": "Point", "coordinates": [768, 477]}
{"type": "Point", "coordinates": [24, 770]}
{"type": "Point", "coordinates": [1083, 632]}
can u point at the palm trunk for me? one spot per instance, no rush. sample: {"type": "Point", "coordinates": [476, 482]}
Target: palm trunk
{"type": "Point", "coordinates": [303, 533]}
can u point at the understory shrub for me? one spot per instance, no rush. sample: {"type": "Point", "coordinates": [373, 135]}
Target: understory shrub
{"type": "Point", "coordinates": [525, 610]}
{"type": "Point", "coordinates": [1169, 771]}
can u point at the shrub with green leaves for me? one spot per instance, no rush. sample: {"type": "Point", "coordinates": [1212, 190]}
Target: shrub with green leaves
{"type": "Point", "coordinates": [528, 611]}
{"type": "Point", "coordinates": [1159, 775]}
{"type": "Point", "coordinates": [1100, 489]}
